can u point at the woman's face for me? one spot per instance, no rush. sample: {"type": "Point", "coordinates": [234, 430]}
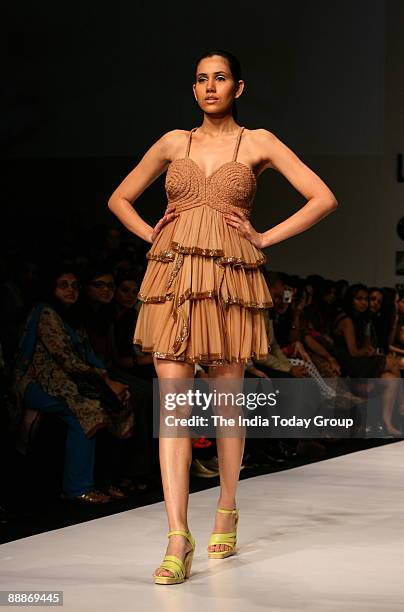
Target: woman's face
{"type": "Point", "coordinates": [126, 294]}
{"type": "Point", "coordinates": [400, 305]}
{"type": "Point", "coordinates": [330, 296]}
{"type": "Point", "coordinates": [67, 289]}
{"type": "Point", "coordinates": [361, 301]}
{"type": "Point", "coordinates": [101, 289]}
{"type": "Point", "coordinates": [276, 291]}
{"type": "Point", "coordinates": [375, 301]}
{"type": "Point", "coordinates": [309, 291]}
{"type": "Point", "coordinates": [215, 89]}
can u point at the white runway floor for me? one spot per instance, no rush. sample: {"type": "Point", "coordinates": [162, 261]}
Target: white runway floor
{"type": "Point", "coordinates": [321, 537]}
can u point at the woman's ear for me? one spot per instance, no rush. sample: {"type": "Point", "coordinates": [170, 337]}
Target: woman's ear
{"type": "Point", "coordinates": [239, 90]}
{"type": "Point", "coordinates": [194, 90]}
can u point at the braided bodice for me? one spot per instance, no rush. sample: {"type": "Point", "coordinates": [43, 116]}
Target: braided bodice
{"type": "Point", "coordinates": [232, 184]}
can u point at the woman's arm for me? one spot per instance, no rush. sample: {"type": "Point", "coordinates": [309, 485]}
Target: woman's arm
{"type": "Point", "coordinates": [393, 330]}
{"type": "Point", "coordinates": [316, 347]}
{"type": "Point", "coordinates": [295, 327]}
{"type": "Point", "coordinates": [90, 357]}
{"type": "Point", "coordinates": [321, 200]}
{"type": "Point", "coordinates": [150, 167]}
{"type": "Point", "coordinates": [58, 343]}
{"type": "Point", "coordinates": [396, 349]}
{"type": "Point", "coordinates": [348, 331]}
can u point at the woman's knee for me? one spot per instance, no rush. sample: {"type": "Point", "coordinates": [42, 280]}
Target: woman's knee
{"type": "Point", "coordinates": [36, 398]}
{"type": "Point", "coordinates": [392, 366]}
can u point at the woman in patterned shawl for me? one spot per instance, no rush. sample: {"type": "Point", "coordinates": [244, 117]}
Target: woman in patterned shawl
{"type": "Point", "coordinates": [51, 354]}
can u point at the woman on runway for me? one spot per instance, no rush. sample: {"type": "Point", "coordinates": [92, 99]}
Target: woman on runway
{"type": "Point", "coordinates": [203, 293]}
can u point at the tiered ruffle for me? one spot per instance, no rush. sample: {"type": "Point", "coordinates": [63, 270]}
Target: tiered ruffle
{"type": "Point", "coordinates": [203, 293]}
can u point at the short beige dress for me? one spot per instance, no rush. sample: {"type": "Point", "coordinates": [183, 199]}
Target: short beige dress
{"type": "Point", "coordinates": [203, 293]}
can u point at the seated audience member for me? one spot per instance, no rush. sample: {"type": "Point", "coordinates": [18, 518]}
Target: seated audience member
{"type": "Point", "coordinates": [126, 355]}
{"type": "Point", "coordinates": [397, 342]}
{"type": "Point", "coordinates": [52, 360]}
{"type": "Point", "coordinates": [357, 356]}
{"type": "Point", "coordinates": [275, 364]}
{"type": "Point", "coordinates": [298, 365]}
{"type": "Point", "coordinates": [98, 310]}
{"type": "Point", "coordinates": [341, 286]}
{"type": "Point", "coordinates": [290, 300]}
{"type": "Point", "coordinates": [298, 295]}
{"type": "Point", "coordinates": [399, 302]}
{"type": "Point", "coordinates": [283, 359]}
{"type": "Point", "coordinates": [308, 287]}
{"type": "Point", "coordinates": [321, 313]}
{"type": "Point", "coordinates": [382, 314]}
{"type": "Point", "coordinates": [316, 328]}
{"type": "Point", "coordinates": [124, 319]}
{"type": "Point", "coordinates": [281, 314]}
{"type": "Point", "coordinates": [107, 322]}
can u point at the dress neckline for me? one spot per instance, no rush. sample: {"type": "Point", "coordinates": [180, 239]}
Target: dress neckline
{"type": "Point", "coordinates": [234, 158]}
{"type": "Point", "coordinates": [207, 178]}
{"type": "Point", "coordinates": [233, 161]}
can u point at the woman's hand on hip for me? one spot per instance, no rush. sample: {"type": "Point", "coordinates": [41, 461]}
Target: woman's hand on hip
{"type": "Point", "coordinates": [168, 216]}
{"type": "Point", "coordinates": [239, 220]}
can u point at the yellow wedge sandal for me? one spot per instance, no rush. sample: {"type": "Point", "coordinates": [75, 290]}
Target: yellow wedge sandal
{"type": "Point", "coordinates": [228, 539]}
{"type": "Point", "coordinates": [180, 569]}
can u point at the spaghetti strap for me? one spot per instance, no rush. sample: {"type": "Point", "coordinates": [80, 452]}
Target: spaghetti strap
{"type": "Point", "coordinates": [189, 141]}
{"type": "Point", "coordinates": [237, 144]}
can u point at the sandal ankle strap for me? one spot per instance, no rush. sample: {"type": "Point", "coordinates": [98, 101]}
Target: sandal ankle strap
{"type": "Point", "coordinates": [227, 511]}
{"type": "Point", "coordinates": [186, 534]}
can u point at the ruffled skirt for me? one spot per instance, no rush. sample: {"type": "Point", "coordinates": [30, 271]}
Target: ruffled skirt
{"type": "Point", "coordinates": [203, 293]}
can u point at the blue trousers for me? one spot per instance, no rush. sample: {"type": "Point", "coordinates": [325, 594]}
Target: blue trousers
{"type": "Point", "coordinates": [78, 472]}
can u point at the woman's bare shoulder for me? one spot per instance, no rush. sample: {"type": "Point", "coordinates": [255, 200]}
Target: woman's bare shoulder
{"type": "Point", "coordinates": [174, 135]}
{"type": "Point", "coordinates": [343, 321]}
{"type": "Point", "coordinates": [261, 135]}
{"type": "Point", "coordinates": [264, 141]}
{"type": "Point", "coordinates": [260, 145]}
{"type": "Point", "coordinates": [174, 143]}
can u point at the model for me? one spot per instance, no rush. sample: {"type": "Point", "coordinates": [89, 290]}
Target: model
{"type": "Point", "coordinates": [203, 292]}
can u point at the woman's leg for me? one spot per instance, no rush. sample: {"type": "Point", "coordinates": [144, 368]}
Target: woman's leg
{"type": "Point", "coordinates": [389, 396]}
{"type": "Point", "coordinates": [175, 460]}
{"type": "Point", "coordinates": [230, 454]}
{"type": "Point", "coordinates": [78, 472]}
{"type": "Point", "coordinates": [401, 397]}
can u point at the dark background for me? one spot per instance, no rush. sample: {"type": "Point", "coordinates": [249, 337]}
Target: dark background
{"type": "Point", "coordinates": [88, 87]}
